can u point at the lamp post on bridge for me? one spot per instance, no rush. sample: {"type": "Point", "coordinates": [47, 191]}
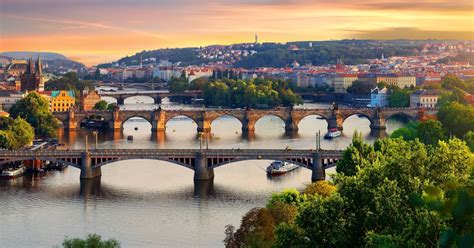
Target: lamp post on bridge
{"type": "Point", "coordinates": [95, 132]}
{"type": "Point", "coordinates": [318, 140]}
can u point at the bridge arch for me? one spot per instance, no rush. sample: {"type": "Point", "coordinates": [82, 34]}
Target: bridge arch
{"type": "Point", "coordinates": [269, 115]}
{"type": "Point", "coordinates": [138, 95]}
{"type": "Point", "coordinates": [318, 116]}
{"type": "Point", "coordinates": [178, 116]}
{"type": "Point", "coordinates": [358, 114]}
{"type": "Point", "coordinates": [299, 163]}
{"type": "Point", "coordinates": [136, 116]}
{"type": "Point", "coordinates": [185, 162]}
{"type": "Point", "coordinates": [401, 114]}
{"type": "Point", "coordinates": [227, 115]}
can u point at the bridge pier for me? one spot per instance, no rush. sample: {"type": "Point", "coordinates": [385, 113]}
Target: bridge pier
{"type": "Point", "coordinates": [157, 100]}
{"type": "Point", "coordinates": [203, 126]}
{"type": "Point", "coordinates": [201, 169]}
{"type": "Point", "coordinates": [318, 171]}
{"type": "Point", "coordinates": [291, 126]}
{"type": "Point", "coordinates": [120, 101]}
{"type": "Point", "coordinates": [378, 124]}
{"type": "Point", "coordinates": [87, 171]}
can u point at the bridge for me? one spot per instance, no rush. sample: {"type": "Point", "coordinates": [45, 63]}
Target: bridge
{"type": "Point", "coordinates": [157, 95]}
{"type": "Point", "coordinates": [158, 118]}
{"type": "Point", "coordinates": [202, 162]}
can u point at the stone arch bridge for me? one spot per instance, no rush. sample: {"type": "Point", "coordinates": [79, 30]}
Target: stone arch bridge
{"type": "Point", "coordinates": [157, 95]}
{"type": "Point", "coordinates": [247, 117]}
{"type": "Point", "coordinates": [202, 162]}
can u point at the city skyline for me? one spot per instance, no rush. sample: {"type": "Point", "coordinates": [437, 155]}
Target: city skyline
{"type": "Point", "coordinates": [92, 32]}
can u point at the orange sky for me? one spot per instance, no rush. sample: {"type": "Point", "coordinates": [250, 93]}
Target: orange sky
{"type": "Point", "coordinates": [94, 31]}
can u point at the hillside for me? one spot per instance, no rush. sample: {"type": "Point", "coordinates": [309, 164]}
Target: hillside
{"type": "Point", "coordinates": [53, 61]}
{"type": "Point", "coordinates": [281, 55]}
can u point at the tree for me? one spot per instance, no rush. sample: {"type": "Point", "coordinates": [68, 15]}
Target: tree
{"type": "Point", "coordinates": [399, 98]}
{"type": "Point", "coordinates": [92, 241]}
{"type": "Point", "coordinates": [178, 85]}
{"type": "Point", "coordinates": [256, 230]}
{"type": "Point", "coordinates": [321, 188]}
{"type": "Point", "coordinates": [361, 87]}
{"type": "Point", "coordinates": [469, 139]}
{"type": "Point", "coordinates": [35, 110]}
{"type": "Point", "coordinates": [451, 82]}
{"type": "Point", "coordinates": [101, 105]}
{"type": "Point", "coordinates": [386, 199]}
{"type": "Point", "coordinates": [409, 132]}
{"type": "Point", "coordinates": [22, 133]}
{"type": "Point", "coordinates": [430, 132]}
{"type": "Point", "coordinates": [355, 156]}
{"type": "Point", "coordinates": [457, 119]}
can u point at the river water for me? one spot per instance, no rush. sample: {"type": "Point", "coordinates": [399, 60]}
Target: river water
{"type": "Point", "coordinates": [145, 203]}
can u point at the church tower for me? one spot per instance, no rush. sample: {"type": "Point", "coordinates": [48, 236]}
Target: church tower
{"type": "Point", "coordinates": [32, 79]}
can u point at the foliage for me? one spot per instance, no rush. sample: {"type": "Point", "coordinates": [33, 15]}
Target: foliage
{"type": "Point", "coordinates": [469, 139]}
{"type": "Point", "coordinates": [399, 98]}
{"type": "Point", "coordinates": [178, 85]}
{"type": "Point", "coordinates": [385, 198]}
{"type": "Point", "coordinates": [361, 87]}
{"type": "Point", "coordinates": [321, 188]}
{"type": "Point", "coordinates": [355, 155]}
{"type": "Point", "coordinates": [101, 105]}
{"type": "Point", "coordinates": [457, 119]}
{"type": "Point", "coordinates": [256, 230]}
{"type": "Point", "coordinates": [430, 132]}
{"type": "Point", "coordinates": [35, 110]}
{"type": "Point", "coordinates": [287, 196]}
{"type": "Point", "coordinates": [69, 81]}
{"type": "Point", "coordinates": [252, 93]}
{"type": "Point", "coordinates": [92, 241]}
{"type": "Point", "coordinates": [408, 132]}
{"type": "Point", "coordinates": [325, 52]}
{"type": "Point", "coordinates": [22, 134]}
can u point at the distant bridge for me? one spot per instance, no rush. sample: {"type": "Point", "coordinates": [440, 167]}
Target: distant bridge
{"type": "Point", "coordinates": [202, 162]}
{"type": "Point", "coordinates": [157, 95]}
{"type": "Point", "coordinates": [248, 117]}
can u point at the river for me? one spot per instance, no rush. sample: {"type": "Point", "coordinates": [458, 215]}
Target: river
{"type": "Point", "coordinates": [145, 203]}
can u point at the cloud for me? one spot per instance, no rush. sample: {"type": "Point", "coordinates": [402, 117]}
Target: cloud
{"type": "Point", "coordinates": [411, 33]}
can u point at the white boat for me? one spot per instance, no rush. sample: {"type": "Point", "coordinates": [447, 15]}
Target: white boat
{"type": "Point", "coordinates": [280, 168]}
{"type": "Point", "coordinates": [332, 133]}
{"type": "Point", "coordinates": [12, 172]}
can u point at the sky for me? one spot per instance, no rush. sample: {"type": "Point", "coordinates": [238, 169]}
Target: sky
{"type": "Point", "coordinates": [95, 31]}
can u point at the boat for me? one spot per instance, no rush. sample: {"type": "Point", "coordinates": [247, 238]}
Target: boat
{"type": "Point", "coordinates": [280, 168]}
{"type": "Point", "coordinates": [332, 133]}
{"type": "Point", "coordinates": [10, 173]}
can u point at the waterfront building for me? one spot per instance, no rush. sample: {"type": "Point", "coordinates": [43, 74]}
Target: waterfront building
{"type": "Point", "coordinates": [33, 79]}
{"type": "Point", "coordinates": [62, 100]}
{"type": "Point", "coordinates": [378, 97]}
{"type": "Point", "coordinates": [341, 82]}
{"type": "Point", "coordinates": [88, 99]}
{"type": "Point", "coordinates": [424, 99]}
{"type": "Point", "coordinates": [8, 98]}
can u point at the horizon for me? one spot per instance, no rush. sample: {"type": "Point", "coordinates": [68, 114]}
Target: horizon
{"type": "Point", "coordinates": [94, 32]}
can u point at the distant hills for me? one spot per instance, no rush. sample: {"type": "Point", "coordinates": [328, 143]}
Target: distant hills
{"type": "Point", "coordinates": [27, 55]}
{"type": "Point", "coordinates": [284, 54]}
{"type": "Point", "coordinates": [54, 61]}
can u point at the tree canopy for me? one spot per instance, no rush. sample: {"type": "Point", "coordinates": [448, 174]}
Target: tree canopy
{"type": "Point", "coordinates": [15, 133]}
{"type": "Point", "coordinates": [35, 110]}
{"type": "Point", "coordinates": [394, 193]}
{"type": "Point", "coordinates": [92, 241]}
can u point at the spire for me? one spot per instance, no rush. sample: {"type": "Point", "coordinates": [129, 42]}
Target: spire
{"type": "Point", "coordinates": [30, 69]}
{"type": "Point", "coordinates": [39, 65]}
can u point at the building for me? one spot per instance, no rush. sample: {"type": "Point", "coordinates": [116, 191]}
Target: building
{"type": "Point", "coordinates": [8, 98]}
{"type": "Point", "coordinates": [33, 79]}
{"type": "Point", "coordinates": [378, 97]}
{"type": "Point", "coordinates": [62, 100]}
{"type": "Point", "coordinates": [16, 68]}
{"type": "Point", "coordinates": [88, 99]}
{"type": "Point", "coordinates": [341, 82]}
{"type": "Point", "coordinates": [424, 99]}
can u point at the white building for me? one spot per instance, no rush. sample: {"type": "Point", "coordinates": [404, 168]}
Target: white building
{"type": "Point", "coordinates": [8, 98]}
{"type": "Point", "coordinates": [378, 97]}
{"type": "Point", "coordinates": [424, 99]}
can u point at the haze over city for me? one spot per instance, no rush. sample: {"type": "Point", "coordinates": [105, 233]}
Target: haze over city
{"type": "Point", "coordinates": [93, 32]}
